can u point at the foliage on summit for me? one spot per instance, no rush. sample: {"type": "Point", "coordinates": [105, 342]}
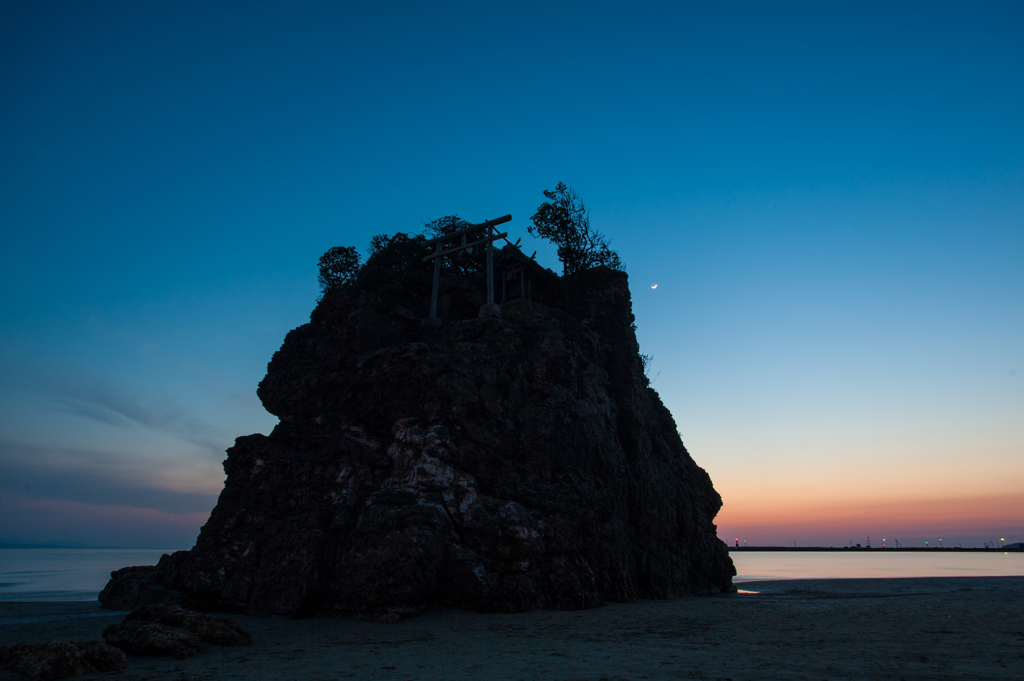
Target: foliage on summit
{"type": "Point", "coordinates": [565, 221]}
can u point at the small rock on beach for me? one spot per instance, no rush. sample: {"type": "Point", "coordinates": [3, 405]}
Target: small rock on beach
{"type": "Point", "coordinates": [217, 630]}
{"type": "Point", "coordinates": [152, 638]}
{"type": "Point", "coordinates": [60, 659]}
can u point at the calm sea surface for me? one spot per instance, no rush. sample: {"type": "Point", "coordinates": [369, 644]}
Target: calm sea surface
{"type": "Point", "coordinates": [79, 574]}
{"type": "Point", "coordinates": [64, 574]}
{"type": "Point", "coordinates": [758, 565]}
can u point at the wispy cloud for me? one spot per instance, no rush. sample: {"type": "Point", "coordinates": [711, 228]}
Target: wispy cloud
{"type": "Point", "coordinates": [129, 482]}
{"type": "Point", "coordinates": [101, 399]}
{"type": "Point", "coordinates": [96, 477]}
{"type": "Point", "coordinates": [32, 520]}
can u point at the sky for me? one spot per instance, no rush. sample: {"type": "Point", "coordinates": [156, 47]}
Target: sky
{"type": "Point", "coordinates": [829, 197]}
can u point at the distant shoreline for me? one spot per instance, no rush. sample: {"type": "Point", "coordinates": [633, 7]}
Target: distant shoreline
{"type": "Point", "coordinates": [928, 549]}
{"type": "Point", "coordinates": [878, 549]}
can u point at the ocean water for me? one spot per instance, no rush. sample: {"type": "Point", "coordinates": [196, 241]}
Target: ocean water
{"type": "Point", "coordinates": [64, 574]}
{"type": "Point", "coordinates": [764, 565]}
{"type": "Point", "coordinates": [80, 574]}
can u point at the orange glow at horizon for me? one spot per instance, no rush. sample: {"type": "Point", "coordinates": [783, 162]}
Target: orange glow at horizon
{"type": "Point", "coordinates": [923, 516]}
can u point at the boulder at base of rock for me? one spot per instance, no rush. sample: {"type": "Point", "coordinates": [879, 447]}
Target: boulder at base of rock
{"type": "Point", "coordinates": [60, 659]}
{"type": "Point", "coordinates": [132, 587]}
{"type": "Point", "coordinates": [217, 630]}
{"type": "Point", "coordinates": [151, 638]}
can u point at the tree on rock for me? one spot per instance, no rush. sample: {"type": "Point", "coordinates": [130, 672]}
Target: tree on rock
{"type": "Point", "coordinates": [565, 221]}
{"type": "Point", "coordinates": [338, 268]}
{"type": "Point", "coordinates": [465, 262]}
{"type": "Point", "coordinates": [395, 270]}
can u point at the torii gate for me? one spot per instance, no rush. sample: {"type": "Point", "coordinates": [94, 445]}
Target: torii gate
{"type": "Point", "coordinates": [489, 309]}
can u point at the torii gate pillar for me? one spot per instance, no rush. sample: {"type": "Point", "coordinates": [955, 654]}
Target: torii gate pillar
{"type": "Point", "coordinates": [490, 309]}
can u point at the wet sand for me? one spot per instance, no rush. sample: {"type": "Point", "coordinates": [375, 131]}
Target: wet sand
{"type": "Point", "coordinates": [930, 628]}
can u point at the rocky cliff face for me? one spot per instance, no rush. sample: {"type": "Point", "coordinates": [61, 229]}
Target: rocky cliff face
{"type": "Point", "coordinates": [491, 464]}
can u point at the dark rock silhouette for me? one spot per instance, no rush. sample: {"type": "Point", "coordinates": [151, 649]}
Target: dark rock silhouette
{"type": "Point", "coordinates": [60, 659]}
{"type": "Point", "coordinates": [171, 630]}
{"type": "Point", "coordinates": [220, 631]}
{"type": "Point", "coordinates": [491, 464]}
{"type": "Point", "coordinates": [153, 638]}
{"type": "Point", "coordinates": [134, 587]}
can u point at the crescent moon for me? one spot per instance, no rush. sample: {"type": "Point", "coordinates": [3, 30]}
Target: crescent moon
{"type": "Point", "coordinates": [654, 286]}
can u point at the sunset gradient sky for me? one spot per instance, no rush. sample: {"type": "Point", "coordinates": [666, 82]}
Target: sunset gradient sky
{"type": "Point", "coordinates": [829, 196]}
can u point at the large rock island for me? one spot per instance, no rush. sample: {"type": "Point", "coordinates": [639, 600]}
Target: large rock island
{"type": "Point", "coordinates": [500, 463]}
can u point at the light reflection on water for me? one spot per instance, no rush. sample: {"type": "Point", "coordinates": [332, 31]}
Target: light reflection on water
{"type": "Point", "coordinates": [765, 565]}
{"type": "Point", "coordinates": [64, 574]}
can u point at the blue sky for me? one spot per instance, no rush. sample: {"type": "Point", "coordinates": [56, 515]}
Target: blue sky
{"type": "Point", "coordinates": [830, 199]}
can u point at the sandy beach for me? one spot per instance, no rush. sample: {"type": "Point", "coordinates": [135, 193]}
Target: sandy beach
{"type": "Point", "coordinates": [927, 628]}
